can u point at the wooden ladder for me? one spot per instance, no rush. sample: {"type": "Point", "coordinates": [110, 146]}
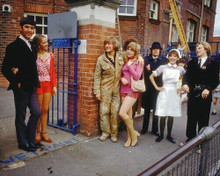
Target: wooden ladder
{"type": "Point", "coordinates": [179, 25]}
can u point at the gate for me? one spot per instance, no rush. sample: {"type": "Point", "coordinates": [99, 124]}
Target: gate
{"type": "Point", "coordinates": [63, 40]}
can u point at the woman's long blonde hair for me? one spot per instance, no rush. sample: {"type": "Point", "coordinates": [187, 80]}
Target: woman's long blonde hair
{"type": "Point", "coordinates": [135, 47]}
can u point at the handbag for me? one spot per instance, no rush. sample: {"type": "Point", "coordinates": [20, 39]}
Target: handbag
{"type": "Point", "coordinates": [138, 85]}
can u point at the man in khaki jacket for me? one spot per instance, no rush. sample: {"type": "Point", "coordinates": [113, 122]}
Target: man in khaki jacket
{"type": "Point", "coordinates": [107, 88]}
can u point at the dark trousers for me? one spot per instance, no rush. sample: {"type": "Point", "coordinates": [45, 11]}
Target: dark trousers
{"type": "Point", "coordinates": [198, 112]}
{"type": "Point", "coordinates": [147, 119]}
{"type": "Point", "coordinates": [23, 99]}
{"type": "Point", "coordinates": [148, 103]}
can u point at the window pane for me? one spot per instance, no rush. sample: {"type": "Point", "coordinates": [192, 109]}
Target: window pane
{"type": "Point", "coordinates": [122, 10]}
{"type": "Point", "coordinates": [45, 20]}
{"type": "Point", "coordinates": [32, 17]}
{"type": "Point", "coordinates": [151, 6]}
{"type": "Point", "coordinates": [151, 14]}
{"type": "Point", "coordinates": [123, 2]}
{"type": "Point", "coordinates": [154, 6]}
{"type": "Point", "coordinates": [130, 10]}
{"type": "Point", "coordinates": [38, 30]}
{"type": "Point", "coordinates": [130, 2]}
{"type": "Point", "coordinates": [45, 30]}
{"type": "Point", "coordinates": [39, 20]}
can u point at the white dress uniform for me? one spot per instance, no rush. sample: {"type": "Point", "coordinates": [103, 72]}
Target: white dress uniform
{"type": "Point", "coordinates": [168, 100]}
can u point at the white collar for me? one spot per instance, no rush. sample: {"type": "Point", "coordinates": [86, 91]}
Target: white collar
{"type": "Point", "coordinates": [169, 64]}
{"type": "Point", "coordinates": [203, 58]}
{"type": "Point", "coordinates": [26, 41]}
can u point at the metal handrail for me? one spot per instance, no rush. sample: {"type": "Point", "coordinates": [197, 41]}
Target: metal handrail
{"type": "Point", "coordinates": [205, 134]}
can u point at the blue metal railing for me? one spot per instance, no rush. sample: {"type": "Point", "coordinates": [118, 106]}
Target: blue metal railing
{"type": "Point", "coordinates": [62, 115]}
{"type": "Point", "coordinates": [215, 45]}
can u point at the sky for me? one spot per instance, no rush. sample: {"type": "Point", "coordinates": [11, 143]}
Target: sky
{"type": "Point", "coordinates": [217, 20]}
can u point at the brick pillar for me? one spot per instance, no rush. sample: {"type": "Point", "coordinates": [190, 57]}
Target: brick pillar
{"type": "Point", "coordinates": [96, 22]}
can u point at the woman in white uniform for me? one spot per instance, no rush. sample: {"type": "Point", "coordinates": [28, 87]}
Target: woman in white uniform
{"type": "Point", "coordinates": [216, 96]}
{"type": "Point", "coordinates": [168, 101]}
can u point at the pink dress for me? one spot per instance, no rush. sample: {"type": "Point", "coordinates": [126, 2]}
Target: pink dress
{"type": "Point", "coordinates": [135, 70]}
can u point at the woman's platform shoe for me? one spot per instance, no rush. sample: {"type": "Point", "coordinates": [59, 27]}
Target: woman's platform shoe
{"type": "Point", "coordinates": [45, 138]}
{"type": "Point", "coordinates": [38, 137]}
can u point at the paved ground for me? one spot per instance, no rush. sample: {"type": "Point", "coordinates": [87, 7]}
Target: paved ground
{"type": "Point", "coordinates": [79, 155]}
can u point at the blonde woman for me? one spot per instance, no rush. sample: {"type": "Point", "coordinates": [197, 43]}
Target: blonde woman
{"type": "Point", "coordinates": [132, 67]}
{"type": "Point", "coordinates": [47, 78]}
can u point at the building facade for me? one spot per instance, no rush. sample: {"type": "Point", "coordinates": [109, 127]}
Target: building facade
{"type": "Point", "coordinates": [150, 21]}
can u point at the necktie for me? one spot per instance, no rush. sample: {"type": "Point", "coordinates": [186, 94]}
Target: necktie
{"type": "Point", "coordinates": [199, 63]}
{"type": "Point", "coordinates": [29, 45]}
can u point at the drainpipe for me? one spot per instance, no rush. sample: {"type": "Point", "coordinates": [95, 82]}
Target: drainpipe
{"type": "Point", "coordinates": [171, 24]}
{"type": "Point", "coordinates": [200, 22]}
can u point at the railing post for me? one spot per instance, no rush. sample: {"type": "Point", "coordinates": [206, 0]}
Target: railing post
{"type": "Point", "coordinates": [209, 133]}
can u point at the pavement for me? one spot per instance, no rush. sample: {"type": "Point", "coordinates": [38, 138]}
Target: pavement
{"type": "Point", "coordinates": [80, 155]}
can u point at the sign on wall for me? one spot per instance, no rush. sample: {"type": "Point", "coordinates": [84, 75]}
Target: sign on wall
{"type": "Point", "coordinates": [62, 25]}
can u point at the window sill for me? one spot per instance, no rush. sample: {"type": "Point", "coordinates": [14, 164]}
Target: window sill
{"type": "Point", "coordinates": [153, 21]}
{"type": "Point", "coordinates": [130, 18]}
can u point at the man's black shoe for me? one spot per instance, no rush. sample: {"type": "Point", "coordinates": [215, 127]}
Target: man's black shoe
{"type": "Point", "coordinates": [26, 147]}
{"type": "Point", "coordinates": [160, 138]}
{"type": "Point", "coordinates": [155, 133]}
{"type": "Point", "coordinates": [213, 113]}
{"type": "Point", "coordinates": [188, 140]}
{"type": "Point", "coordinates": [143, 131]}
{"type": "Point", "coordinates": [35, 145]}
{"type": "Point", "coordinates": [171, 139]}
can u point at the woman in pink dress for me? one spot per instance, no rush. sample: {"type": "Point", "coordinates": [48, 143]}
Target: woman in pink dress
{"type": "Point", "coordinates": [132, 67]}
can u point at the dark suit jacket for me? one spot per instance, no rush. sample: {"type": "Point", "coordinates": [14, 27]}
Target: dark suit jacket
{"type": "Point", "coordinates": [207, 76]}
{"type": "Point", "coordinates": [19, 55]}
{"type": "Point", "coordinates": [150, 95]}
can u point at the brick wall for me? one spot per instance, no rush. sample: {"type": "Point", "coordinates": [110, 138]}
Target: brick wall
{"type": "Point", "coordinates": [134, 26]}
{"type": "Point", "coordinates": [9, 22]}
{"type": "Point", "coordinates": [87, 113]}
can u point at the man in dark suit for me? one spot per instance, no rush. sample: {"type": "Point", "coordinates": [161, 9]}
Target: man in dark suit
{"type": "Point", "coordinates": [19, 67]}
{"type": "Point", "coordinates": [152, 62]}
{"type": "Point", "coordinates": [201, 78]}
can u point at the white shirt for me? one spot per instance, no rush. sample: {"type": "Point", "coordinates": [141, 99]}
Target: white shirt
{"type": "Point", "coordinates": [26, 41]}
{"type": "Point", "coordinates": [203, 59]}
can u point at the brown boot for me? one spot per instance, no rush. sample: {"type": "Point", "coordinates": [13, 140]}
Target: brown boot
{"type": "Point", "coordinates": [128, 142]}
{"type": "Point", "coordinates": [133, 134]}
{"type": "Point", "coordinates": [103, 137]}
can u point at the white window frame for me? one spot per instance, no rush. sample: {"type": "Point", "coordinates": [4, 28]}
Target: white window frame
{"type": "Point", "coordinates": [204, 33]}
{"type": "Point", "coordinates": [207, 3]}
{"type": "Point", "coordinates": [154, 9]}
{"type": "Point", "coordinates": [126, 6]}
{"type": "Point", "coordinates": [190, 30]}
{"type": "Point", "coordinates": [39, 25]}
{"type": "Point", "coordinates": [178, 4]}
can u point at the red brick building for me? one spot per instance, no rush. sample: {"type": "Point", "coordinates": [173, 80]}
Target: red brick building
{"type": "Point", "coordinates": [150, 21]}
